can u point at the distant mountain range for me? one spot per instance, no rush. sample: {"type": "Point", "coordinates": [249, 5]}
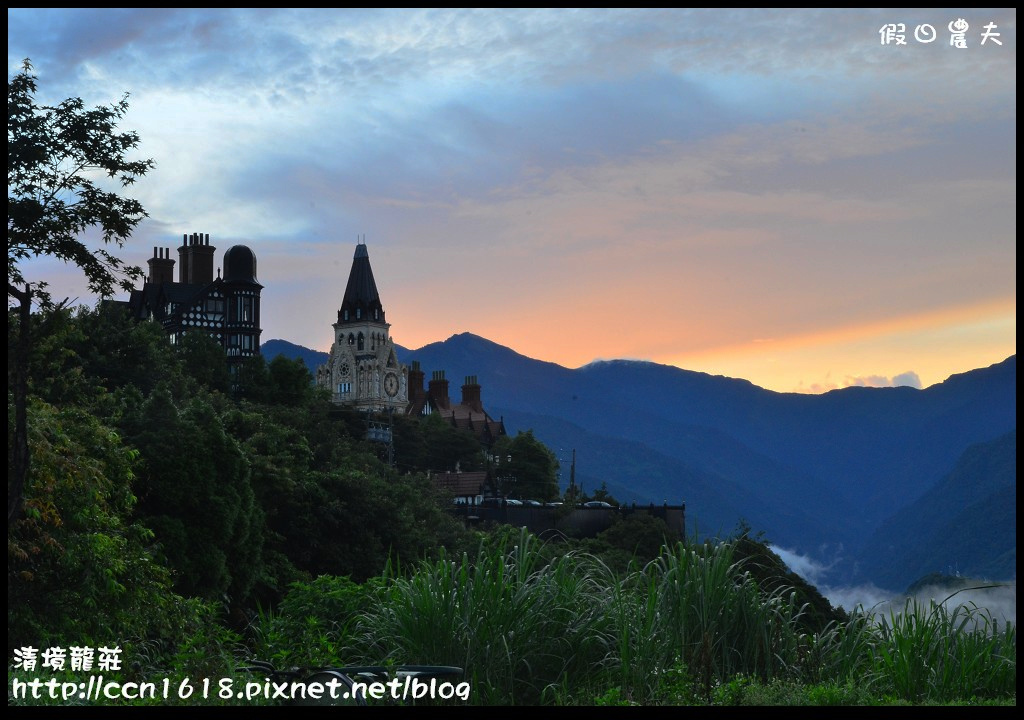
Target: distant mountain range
{"type": "Point", "coordinates": [964, 525]}
{"type": "Point", "coordinates": [850, 476]}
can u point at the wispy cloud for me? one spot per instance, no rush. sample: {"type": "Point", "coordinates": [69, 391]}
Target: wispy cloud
{"type": "Point", "coordinates": [999, 598]}
{"type": "Point", "coordinates": [741, 173]}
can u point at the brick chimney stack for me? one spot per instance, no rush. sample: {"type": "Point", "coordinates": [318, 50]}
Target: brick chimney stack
{"type": "Point", "coordinates": [471, 394]}
{"type": "Point", "coordinates": [416, 390]}
{"type": "Point", "coordinates": [161, 267]}
{"type": "Point", "coordinates": [196, 259]}
{"type": "Point", "coordinates": [438, 390]}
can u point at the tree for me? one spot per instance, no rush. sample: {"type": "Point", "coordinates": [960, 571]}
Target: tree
{"type": "Point", "coordinates": [79, 567]}
{"type": "Point", "coordinates": [531, 473]}
{"type": "Point", "coordinates": [203, 360]}
{"type": "Point", "coordinates": [448, 447]}
{"type": "Point", "coordinates": [195, 492]}
{"type": "Point", "coordinates": [56, 159]}
{"type": "Point", "coordinates": [290, 381]}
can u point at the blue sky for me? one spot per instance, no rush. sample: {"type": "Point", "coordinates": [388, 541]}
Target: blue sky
{"type": "Point", "coordinates": [767, 194]}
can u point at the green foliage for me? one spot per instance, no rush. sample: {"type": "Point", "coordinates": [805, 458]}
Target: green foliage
{"type": "Point", "coordinates": [446, 448]}
{"type": "Point", "coordinates": [533, 471]}
{"type": "Point", "coordinates": [843, 651]}
{"type": "Point", "coordinates": [516, 625]}
{"type": "Point", "coordinates": [248, 495]}
{"type": "Point", "coordinates": [745, 691]}
{"type": "Point", "coordinates": [411, 444]}
{"type": "Point", "coordinates": [290, 382]}
{"type": "Point", "coordinates": [55, 368]}
{"type": "Point", "coordinates": [350, 522]}
{"type": "Point", "coordinates": [204, 648]}
{"type": "Point", "coordinates": [771, 573]}
{"type": "Point", "coordinates": [612, 698]}
{"type": "Point", "coordinates": [637, 537]}
{"type": "Point", "coordinates": [942, 653]}
{"type": "Point", "coordinates": [315, 624]}
{"type": "Point", "coordinates": [714, 618]}
{"type": "Point", "coordinates": [83, 356]}
{"type": "Point", "coordinates": [601, 494]}
{"type": "Point", "coordinates": [196, 495]}
{"type": "Point", "coordinates": [78, 566]}
{"type": "Point", "coordinates": [203, 361]}
{"type": "Point", "coordinates": [281, 382]}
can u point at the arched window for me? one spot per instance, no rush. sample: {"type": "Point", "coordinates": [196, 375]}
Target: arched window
{"type": "Point", "coordinates": [362, 342]}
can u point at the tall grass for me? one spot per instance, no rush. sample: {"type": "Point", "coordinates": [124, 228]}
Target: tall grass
{"type": "Point", "coordinates": [528, 628]}
{"type": "Point", "coordinates": [531, 626]}
{"type": "Point", "coordinates": [517, 624]}
{"type": "Point", "coordinates": [936, 653]}
{"type": "Point", "coordinates": [920, 653]}
{"type": "Point", "coordinates": [643, 654]}
{"type": "Point", "coordinates": [717, 619]}
{"type": "Point", "coordinates": [841, 653]}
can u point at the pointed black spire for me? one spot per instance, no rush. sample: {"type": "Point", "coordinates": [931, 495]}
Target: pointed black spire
{"type": "Point", "coordinates": [362, 301]}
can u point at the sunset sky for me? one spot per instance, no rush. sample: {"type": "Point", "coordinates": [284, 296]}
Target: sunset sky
{"type": "Point", "coordinates": [772, 195]}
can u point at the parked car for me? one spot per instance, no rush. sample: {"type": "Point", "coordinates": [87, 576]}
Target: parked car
{"type": "Point", "coordinates": [533, 503]}
{"type": "Point", "coordinates": [597, 504]}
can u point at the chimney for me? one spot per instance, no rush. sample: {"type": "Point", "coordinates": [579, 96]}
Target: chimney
{"type": "Point", "coordinates": [415, 382]}
{"type": "Point", "coordinates": [438, 390]}
{"type": "Point", "coordinates": [471, 394]}
{"type": "Point", "coordinates": [196, 256]}
{"type": "Point", "coordinates": [183, 258]}
{"type": "Point", "coordinates": [161, 267]}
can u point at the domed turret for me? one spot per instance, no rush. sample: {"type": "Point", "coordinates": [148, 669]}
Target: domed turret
{"type": "Point", "coordinates": [240, 265]}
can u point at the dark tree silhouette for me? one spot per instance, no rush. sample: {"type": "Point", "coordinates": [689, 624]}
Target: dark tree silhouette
{"type": "Point", "coordinates": [56, 156]}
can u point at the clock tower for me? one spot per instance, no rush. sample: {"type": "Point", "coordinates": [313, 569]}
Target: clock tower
{"type": "Point", "coordinates": [362, 370]}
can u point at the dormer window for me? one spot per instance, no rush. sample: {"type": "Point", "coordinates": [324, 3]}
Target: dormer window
{"type": "Point", "coordinates": [345, 314]}
{"type": "Point", "coordinates": [359, 313]}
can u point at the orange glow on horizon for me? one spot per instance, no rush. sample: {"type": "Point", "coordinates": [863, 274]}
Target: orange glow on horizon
{"type": "Point", "coordinates": [933, 345]}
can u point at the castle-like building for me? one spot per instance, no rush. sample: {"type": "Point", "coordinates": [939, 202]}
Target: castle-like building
{"type": "Point", "coordinates": [363, 372]}
{"type": "Point", "coordinates": [362, 369]}
{"type": "Point", "coordinates": [226, 308]}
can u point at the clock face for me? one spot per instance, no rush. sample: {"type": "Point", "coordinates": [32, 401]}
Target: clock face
{"type": "Point", "coordinates": [391, 384]}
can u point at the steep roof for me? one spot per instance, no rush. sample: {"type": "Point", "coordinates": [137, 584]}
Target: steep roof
{"type": "Point", "coordinates": [461, 484]}
{"type": "Point", "coordinates": [464, 417]}
{"type": "Point", "coordinates": [361, 292]}
{"type": "Point", "coordinates": [478, 422]}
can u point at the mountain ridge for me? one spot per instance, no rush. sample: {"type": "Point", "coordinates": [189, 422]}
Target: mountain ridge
{"type": "Point", "coordinates": [821, 473]}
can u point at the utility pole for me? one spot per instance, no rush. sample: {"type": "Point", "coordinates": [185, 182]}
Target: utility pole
{"type": "Point", "coordinates": [391, 435]}
{"type": "Point", "coordinates": [572, 476]}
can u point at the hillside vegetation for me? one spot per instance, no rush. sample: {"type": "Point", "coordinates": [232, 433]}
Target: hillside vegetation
{"type": "Point", "coordinates": [198, 521]}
